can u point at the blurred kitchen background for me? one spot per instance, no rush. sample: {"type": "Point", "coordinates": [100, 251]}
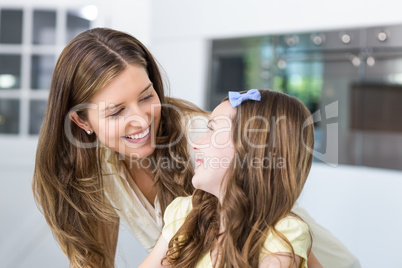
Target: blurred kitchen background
{"type": "Point", "coordinates": [344, 61]}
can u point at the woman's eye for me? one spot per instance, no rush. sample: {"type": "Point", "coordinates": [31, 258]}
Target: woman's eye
{"type": "Point", "coordinates": [147, 97]}
{"type": "Point", "coordinates": [116, 113]}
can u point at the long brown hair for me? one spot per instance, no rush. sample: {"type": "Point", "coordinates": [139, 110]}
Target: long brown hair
{"type": "Point", "coordinates": [256, 197]}
{"type": "Point", "coordinates": [67, 180]}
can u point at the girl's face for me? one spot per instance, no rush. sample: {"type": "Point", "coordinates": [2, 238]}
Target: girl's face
{"type": "Point", "coordinates": [126, 113]}
{"type": "Point", "coordinates": [214, 151]}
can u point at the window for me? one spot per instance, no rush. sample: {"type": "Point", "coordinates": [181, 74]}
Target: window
{"type": "Point", "coordinates": [30, 41]}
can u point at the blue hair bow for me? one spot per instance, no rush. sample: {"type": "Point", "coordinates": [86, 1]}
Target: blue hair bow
{"type": "Point", "coordinates": [235, 98]}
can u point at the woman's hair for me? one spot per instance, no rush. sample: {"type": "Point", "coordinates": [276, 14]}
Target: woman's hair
{"type": "Point", "coordinates": [263, 182]}
{"type": "Point", "coordinates": [68, 177]}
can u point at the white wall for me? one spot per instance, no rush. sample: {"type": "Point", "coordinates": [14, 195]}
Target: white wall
{"type": "Point", "coordinates": [132, 16]}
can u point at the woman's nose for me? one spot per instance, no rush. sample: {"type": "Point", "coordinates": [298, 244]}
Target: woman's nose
{"type": "Point", "coordinates": [138, 117]}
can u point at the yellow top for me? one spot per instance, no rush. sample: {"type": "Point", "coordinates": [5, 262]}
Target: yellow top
{"type": "Point", "coordinates": [295, 230]}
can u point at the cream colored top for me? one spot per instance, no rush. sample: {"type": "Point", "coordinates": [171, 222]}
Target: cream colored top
{"type": "Point", "coordinates": [295, 230]}
{"type": "Point", "coordinates": [145, 221]}
{"type": "Point", "coordinates": [140, 217]}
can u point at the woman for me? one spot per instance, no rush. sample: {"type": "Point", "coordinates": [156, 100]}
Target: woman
{"type": "Point", "coordinates": [240, 214]}
{"type": "Point", "coordinates": [111, 147]}
{"type": "Point", "coordinates": [75, 161]}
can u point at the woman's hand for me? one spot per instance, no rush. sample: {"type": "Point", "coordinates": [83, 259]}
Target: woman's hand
{"type": "Point", "coordinates": [313, 262]}
{"type": "Point", "coordinates": [155, 257]}
{"type": "Point", "coordinates": [279, 260]}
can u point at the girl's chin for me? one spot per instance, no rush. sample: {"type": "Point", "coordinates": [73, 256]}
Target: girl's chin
{"type": "Point", "coordinates": [195, 181]}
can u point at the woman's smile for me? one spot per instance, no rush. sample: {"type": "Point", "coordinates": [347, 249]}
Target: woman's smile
{"type": "Point", "coordinates": [139, 137]}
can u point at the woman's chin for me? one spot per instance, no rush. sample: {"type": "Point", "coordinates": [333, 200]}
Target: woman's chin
{"type": "Point", "coordinates": [140, 153]}
{"type": "Point", "coordinates": [145, 150]}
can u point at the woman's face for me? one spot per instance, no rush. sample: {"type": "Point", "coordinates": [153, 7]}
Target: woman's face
{"type": "Point", "coordinates": [214, 151]}
{"type": "Point", "coordinates": [126, 113]}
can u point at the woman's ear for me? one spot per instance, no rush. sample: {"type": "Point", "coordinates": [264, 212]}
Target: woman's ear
{"type": "Point", "coordinates": [79, 122]}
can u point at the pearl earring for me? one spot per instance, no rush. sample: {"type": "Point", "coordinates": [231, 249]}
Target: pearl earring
{"type": "Point", "coordinates": [88, 132]}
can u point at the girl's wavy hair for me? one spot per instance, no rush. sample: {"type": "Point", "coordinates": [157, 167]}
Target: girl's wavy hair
{"type": "Point", "coordinates": [68, 178]}
{"type": "Point", "coordinates": [256, 197]}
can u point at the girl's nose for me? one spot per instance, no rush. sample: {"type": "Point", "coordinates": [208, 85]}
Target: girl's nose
{"type": "Point", "coordinates": [196, 145]}
{"type": "Point", "coordinates": [201, 142]}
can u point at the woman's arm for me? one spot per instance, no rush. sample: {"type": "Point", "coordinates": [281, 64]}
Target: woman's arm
{"type": "Point", "coordinates": [313, 262]}
{"type": "Point", "coordinates": [279, 260]}
{"type": "Point", "coordinates": [155, 257]}
{"type": "Point", "coordinates": [284, 260]}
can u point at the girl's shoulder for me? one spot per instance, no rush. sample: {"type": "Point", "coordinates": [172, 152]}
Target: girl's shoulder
{"type": "Point", "coordinates": [296, 232]}
{"type": "Point", "coordinates": [180, 207]}
{"type": "Point", "coordinates": [292, 224]}
{"type": "Point", "coordinates": [175, 215]}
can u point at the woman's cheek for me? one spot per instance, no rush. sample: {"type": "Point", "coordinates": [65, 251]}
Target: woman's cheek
{"type": "Point", "coordinates": [107, 132]}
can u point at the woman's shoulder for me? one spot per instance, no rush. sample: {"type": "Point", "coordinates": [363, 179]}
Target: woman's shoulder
{"type": "Point", "coordinates": [189, 111]}
{"type": "Point", "coordinates": [184, 105]}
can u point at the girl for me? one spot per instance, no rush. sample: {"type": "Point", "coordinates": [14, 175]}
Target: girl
{"type": "Point", "coordinates": [112, 147]}
{"type": "Point", "coordinates": [252, 166]}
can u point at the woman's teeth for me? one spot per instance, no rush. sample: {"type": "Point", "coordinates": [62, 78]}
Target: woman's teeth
{"type": "Point", "coordinates": [139, 136]}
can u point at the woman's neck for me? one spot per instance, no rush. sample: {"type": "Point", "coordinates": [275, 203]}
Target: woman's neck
{"type": "Point", "coordinates": [143, 178]}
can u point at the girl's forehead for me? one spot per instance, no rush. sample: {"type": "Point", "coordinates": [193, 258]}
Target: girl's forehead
{"type": "Point", "coordinates": [223, 110]}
